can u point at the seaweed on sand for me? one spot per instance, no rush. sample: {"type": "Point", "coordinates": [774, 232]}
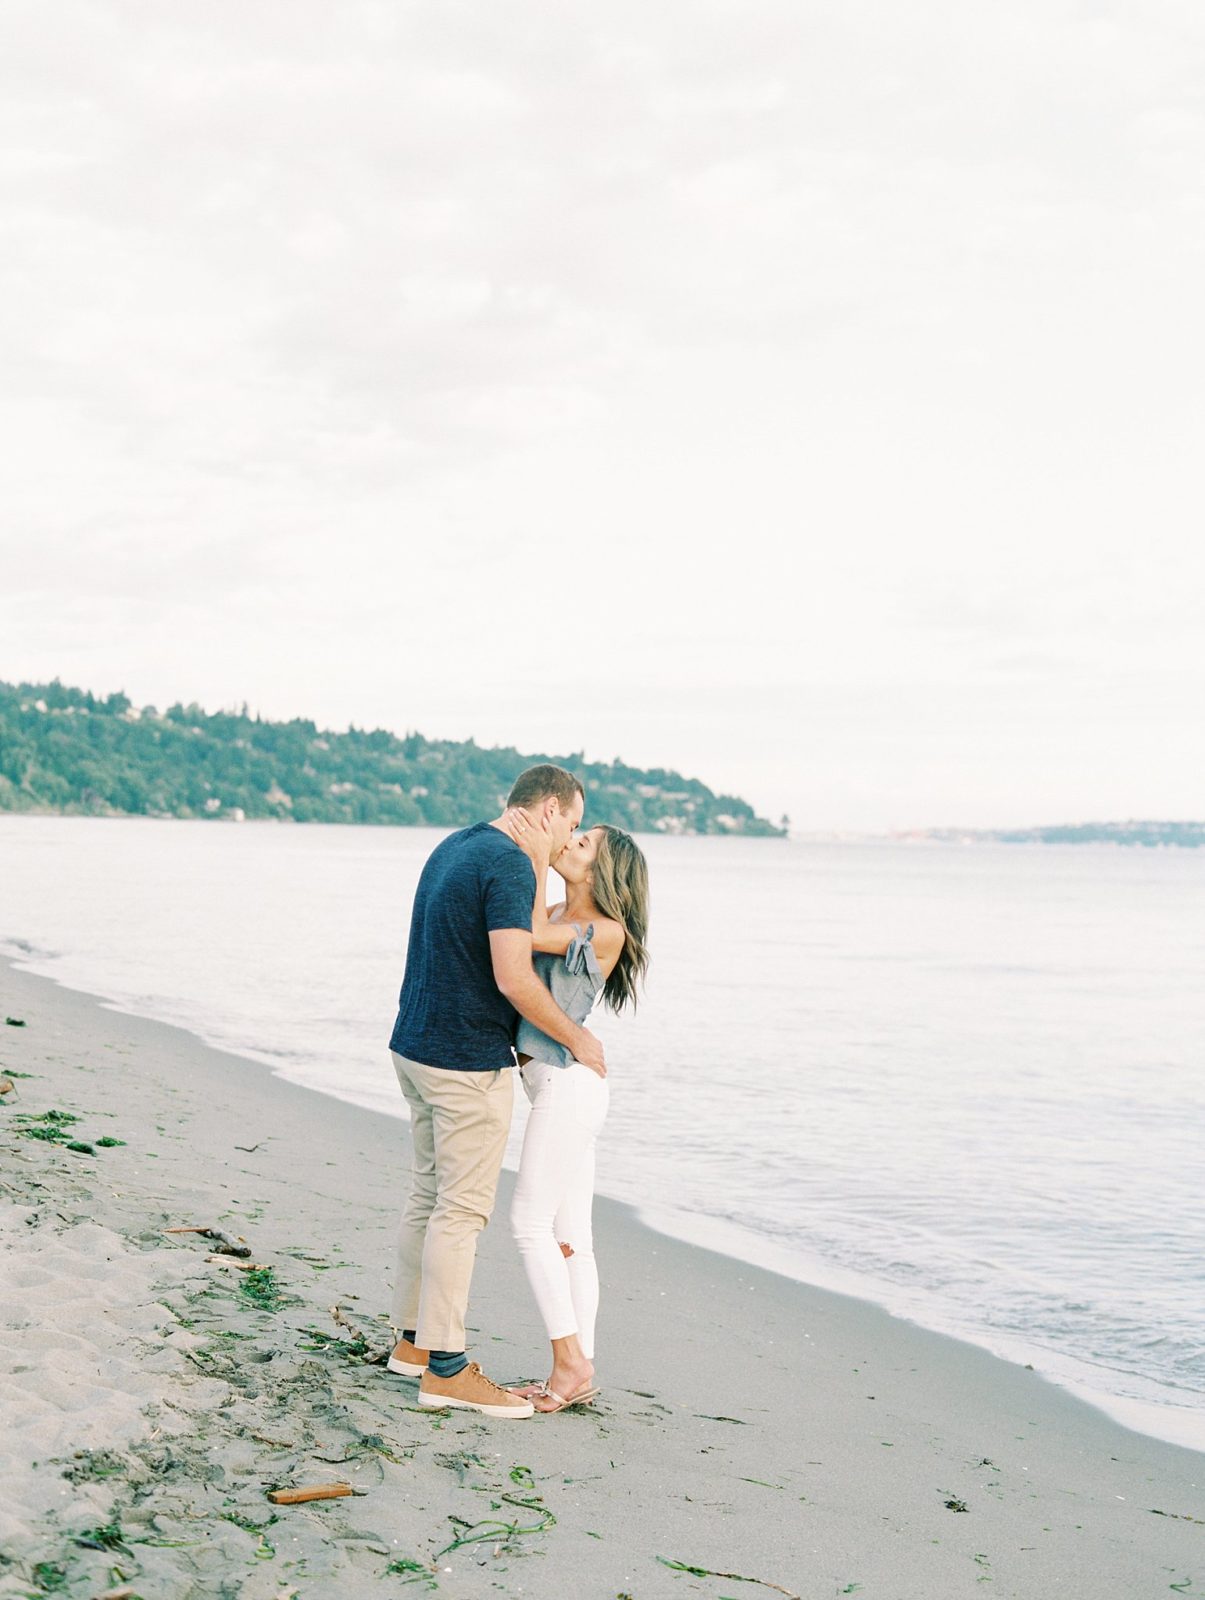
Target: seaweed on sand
{"type": "Point", "coordinates": [250, 1524]}
{"type": "Point", "coordinates": [495, 1529]}
{"type": "Point", "coordinates": [461, 1462]}
{"type": "Point", "coordinates": [734, 1577]}
{"type": "Point", "coordinates": [355, 1352]}
{"type": "Point", "coordinates": [370, 1444]}
{"type": "Point", "coordinates": [360, 1338]}
{"type": "Point", "coordinates": [329, 1344]}
{"type": "Point", "coordinates": [90, 1466]}
{"type": "Point", "coordinates": [54, 1127]}
{"type": "Point", "coordinates": [264, 1549]}
{"type": "Point", "coordinates": [504, 1533]}
{"type": "Point", "coordinates": [261, 1288]}
{"type": "Point", "coordinates": [50, 1576]}
{"type": "Point", "coordinates": [410, 1572]}
{"type": "Point", "coordinates": [50, 1126]}
{"type": "Point", "coordinates": [106, 1537]}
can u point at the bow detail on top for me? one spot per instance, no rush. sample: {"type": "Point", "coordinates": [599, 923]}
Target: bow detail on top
{"type": "Point", "coordinates": [580, 955]}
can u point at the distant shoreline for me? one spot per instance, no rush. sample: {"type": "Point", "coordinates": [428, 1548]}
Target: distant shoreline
{"type": "Point", "coordinates": [1127, 835]}
{"type": "Point", "coordinates": [44, 812]}
{"type": "Point", "coordinates": [1147, 834]}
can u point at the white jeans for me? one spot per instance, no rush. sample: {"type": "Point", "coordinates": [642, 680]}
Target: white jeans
{"type": "Point", "coordinates": [555, 1192]}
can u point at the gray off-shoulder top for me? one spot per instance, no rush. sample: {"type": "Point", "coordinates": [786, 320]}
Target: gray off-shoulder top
{"type": "Point", "coordinates": [575, 981]}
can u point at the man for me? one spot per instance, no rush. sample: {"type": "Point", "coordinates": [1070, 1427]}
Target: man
{"type": "Point", "coordinates": [468, 978]}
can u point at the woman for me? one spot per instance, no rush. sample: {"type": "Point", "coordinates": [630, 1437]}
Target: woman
{"type": "Point", "coordinates": [592, 944]}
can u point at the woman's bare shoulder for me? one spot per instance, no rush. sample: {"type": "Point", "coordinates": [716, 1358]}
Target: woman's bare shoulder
{"type": "Point", "coordinates": [608, 936]}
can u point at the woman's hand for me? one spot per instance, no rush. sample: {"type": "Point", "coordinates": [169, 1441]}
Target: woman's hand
{"type": "Point", "coordinates": [532, 837]}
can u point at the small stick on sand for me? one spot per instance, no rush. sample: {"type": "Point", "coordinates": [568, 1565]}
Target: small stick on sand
{"type": "Point", "coordinates": [316, 1491]}
{"type": "Point", "coordinates": [239, 1266]}
{"type": "Point", "coordinates": [227, 1246]}
{"type": "Point", "coordinates": [372, 1358]}
{"type": "Point", "coordinates": [342, 1321]}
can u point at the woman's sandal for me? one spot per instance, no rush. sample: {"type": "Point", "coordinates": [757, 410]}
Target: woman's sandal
{"type": "Point", "coordinates": [582, 1397]}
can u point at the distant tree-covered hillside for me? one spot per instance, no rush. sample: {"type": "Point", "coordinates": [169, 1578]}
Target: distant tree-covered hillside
{"type": "Point", "coordinates": [65, 750]}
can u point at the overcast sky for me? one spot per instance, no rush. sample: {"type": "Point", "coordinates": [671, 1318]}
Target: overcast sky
{"type": "Point", "coordinates": [807, 397]}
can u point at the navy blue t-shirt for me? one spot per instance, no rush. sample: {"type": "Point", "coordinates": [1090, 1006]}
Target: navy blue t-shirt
{"type": "Point", "coordinates": [451, 1013]}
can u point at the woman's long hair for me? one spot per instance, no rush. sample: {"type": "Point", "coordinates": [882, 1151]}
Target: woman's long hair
{"type": "Point", "coordinates": [620, 887]}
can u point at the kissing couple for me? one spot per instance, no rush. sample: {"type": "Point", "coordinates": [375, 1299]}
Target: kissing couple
{"type": "Point", "coordinates": [496, 979]}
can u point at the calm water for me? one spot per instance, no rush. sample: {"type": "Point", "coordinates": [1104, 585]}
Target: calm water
{"type": "Point", "coordinates": [964, 1082]}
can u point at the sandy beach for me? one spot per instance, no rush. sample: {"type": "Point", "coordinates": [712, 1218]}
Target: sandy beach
{"type": "Point", "coordinates": [754, 1436]}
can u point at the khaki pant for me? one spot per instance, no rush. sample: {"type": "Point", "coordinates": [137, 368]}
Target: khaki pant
{"type": "Point", "coordinates": [459, 1122]}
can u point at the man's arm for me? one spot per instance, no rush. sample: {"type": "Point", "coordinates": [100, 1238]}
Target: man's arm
{"type": "Point", "coordinates": [510, 952]}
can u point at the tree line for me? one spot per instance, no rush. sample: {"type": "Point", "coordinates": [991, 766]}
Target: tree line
{"type": "Point", "coordinates": [68, 751]}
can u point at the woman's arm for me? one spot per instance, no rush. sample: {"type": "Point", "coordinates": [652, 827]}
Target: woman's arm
{"type": "Point", "coordinates": [547, 936]}
{"type": "Point", "coordinates": [553, 938]}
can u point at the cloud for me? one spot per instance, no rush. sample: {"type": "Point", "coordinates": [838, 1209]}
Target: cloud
{"type": "Point", "coordinates": [773, 347]}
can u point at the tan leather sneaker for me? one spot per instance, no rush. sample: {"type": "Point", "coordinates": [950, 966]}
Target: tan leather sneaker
{"type": "Point", "coordinates": [471, 1390]}
{"type": "Point", "coordinates": [407, 1360]}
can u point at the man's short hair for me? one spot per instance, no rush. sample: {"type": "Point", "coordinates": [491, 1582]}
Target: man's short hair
{"type": "Point", "coordinates": [538, 783]}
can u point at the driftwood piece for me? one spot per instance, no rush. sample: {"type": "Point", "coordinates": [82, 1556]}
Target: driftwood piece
{"type": "Point", "coordinates": [372, 1358]}
{"type": "Point", "coordinates": [239, 1266]}
{"type": "Point", "coordinates": [316, 1491]}
{"type": "Point", "coordinates": [342, 1320]}
{"type": "Point", "coordinates": [226, 1245]}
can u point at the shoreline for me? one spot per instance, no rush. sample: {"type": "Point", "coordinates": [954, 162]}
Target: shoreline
{"type": "Point", "coordinates": [771, 831]}
{"type": "Point", "coordinates": [749, 1425]}
{"type": "Point", "coordinates": [1183, 1427]}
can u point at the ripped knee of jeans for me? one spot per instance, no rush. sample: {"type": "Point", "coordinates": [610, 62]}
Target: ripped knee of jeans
{"type": "Point", "coordinates": [566, 1249]}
